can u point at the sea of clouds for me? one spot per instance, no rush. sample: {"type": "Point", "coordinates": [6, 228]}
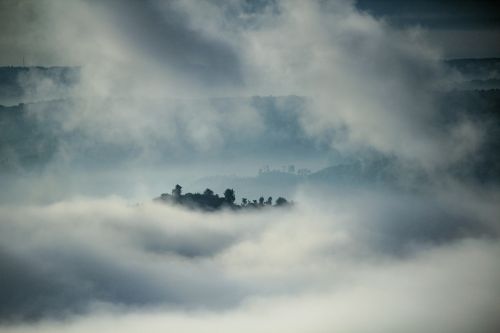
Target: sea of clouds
{"type": "Point", "coordinates": [351, 260]}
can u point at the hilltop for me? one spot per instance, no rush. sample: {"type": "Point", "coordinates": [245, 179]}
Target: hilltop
{"type": "Point", "coordinates": [210, 201]}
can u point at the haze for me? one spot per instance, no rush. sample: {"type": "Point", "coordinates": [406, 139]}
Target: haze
{"type": "Point", "coordinates": [380, 127]}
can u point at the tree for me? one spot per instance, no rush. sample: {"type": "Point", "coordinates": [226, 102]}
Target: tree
{"type": "Point", "coordinates": [210, 201]}
{"type": "Point", "coordinates": [281, 201]}
{"type": "Point", "coordinates": [177, 191]}
{"type": "Point", "coordinates": [229, 196]}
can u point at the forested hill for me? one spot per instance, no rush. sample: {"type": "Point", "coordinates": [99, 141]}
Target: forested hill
{"type": "Point", "coordinates": [210, 201]}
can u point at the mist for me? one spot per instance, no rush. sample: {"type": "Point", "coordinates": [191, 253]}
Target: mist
{"type": "Point", "coordinates": [326, 264]}
{"type": "Point", "coordinates": [387, 151]}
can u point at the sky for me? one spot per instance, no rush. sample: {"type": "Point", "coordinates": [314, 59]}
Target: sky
{"type": "Point", "coordinates": [176, 91]}
{"type": "Point", "coordinates": [464, 29]}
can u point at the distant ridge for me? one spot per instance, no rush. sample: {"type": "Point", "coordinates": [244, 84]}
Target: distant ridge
{"type": "Point", "coordinates": [473, 59]}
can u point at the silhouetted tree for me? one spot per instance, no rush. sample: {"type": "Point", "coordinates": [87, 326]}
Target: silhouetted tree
{"type": "Point", "coordinates": [281, 201]}
{"type": "Point", "coordinates": [229, 196]}
{"type": "Point", "coordinates": [210, 201]}
{"type": "Point", "coordinates": [177, 191]}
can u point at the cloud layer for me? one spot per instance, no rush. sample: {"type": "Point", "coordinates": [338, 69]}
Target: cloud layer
{"type": "Point", "coordinates": [368, 84]}
{"type": "Point", "coordinates": [349, 261]}
{"type": "Point", "coordinates": [324, 266]}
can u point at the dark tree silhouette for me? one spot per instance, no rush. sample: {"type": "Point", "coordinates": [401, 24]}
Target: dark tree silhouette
{"type": "Point", "coordinates": [281, 201]}
{"type": "Point", "coordinates": [177, 191]}
{"type": "Point", "coordinates": [229, 196]}
{"type": "Point", "coordinates": [209, 201]}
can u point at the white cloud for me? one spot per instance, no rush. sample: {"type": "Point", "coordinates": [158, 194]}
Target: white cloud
{"type": "Point", "coordinates": [376, 84]}
{"type": "Point", "coordinates": [102, 263]}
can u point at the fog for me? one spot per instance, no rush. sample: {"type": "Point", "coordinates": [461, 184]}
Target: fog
{"type": "Point", "coordinates": [392, 229]}
{"type": "Point", "coordinates": [148, 72]}
{"type": "Point", "coordinates": [400, 263]}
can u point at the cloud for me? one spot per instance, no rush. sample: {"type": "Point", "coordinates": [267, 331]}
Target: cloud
{"type": "Point", "coordinates": [351, 260]}
{"type": "Point", "coordinates": [84, 264]}
{"type": "Point", "coordinates": [378, 83]}
{"type": "Point", "coordinates": [368, 83]}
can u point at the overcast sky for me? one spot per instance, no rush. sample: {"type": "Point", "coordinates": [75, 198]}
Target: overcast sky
{"type": "Point", "coordinates": [460, 28]}
{"type": "Point", "coordinates": [464, 28]}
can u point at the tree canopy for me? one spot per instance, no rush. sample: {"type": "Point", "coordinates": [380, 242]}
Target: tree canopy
{"type": "Point", "coordinates": [209, 201]}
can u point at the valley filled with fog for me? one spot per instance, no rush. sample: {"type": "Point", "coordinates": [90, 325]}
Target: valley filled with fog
{"type": "Point", "coordinates": [385, 149]}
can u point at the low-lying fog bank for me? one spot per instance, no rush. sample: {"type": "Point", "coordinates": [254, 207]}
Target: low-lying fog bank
{"type": "Point", "coordinates": [351, 261]}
